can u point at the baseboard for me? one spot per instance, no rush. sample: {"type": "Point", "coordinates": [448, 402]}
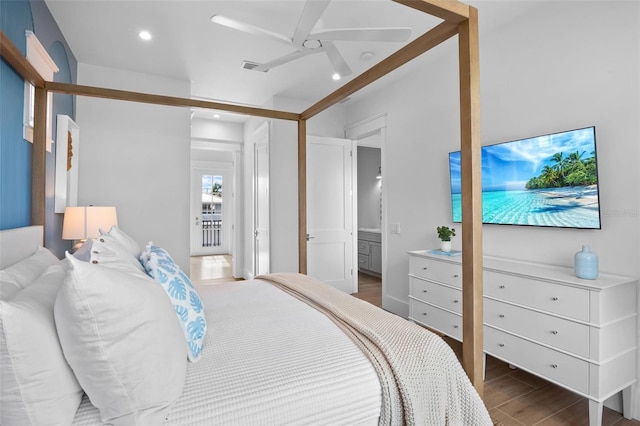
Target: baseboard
{"type": "Point", "coordinates": [396, 306]}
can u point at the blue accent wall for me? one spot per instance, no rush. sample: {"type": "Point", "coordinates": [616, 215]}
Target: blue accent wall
{"type": "Point", "coordinates": [15, 152]}
{"type": "Point", "coordinates": [16, 17]}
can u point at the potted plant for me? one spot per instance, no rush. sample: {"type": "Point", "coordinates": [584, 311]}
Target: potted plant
{"type": "Point", "coordinates": [445, 233]}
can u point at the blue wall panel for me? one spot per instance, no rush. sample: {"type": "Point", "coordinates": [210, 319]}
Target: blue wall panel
{"type": "Point", "coordinates": [15, 152]}
{"type": "Point", "coordinates": [17, 16]}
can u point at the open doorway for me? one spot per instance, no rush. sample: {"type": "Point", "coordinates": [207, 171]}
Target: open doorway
{"type": "Point", "coordinates": [369, 219]}
{"type": "Point", "coordinates": [211, 207]}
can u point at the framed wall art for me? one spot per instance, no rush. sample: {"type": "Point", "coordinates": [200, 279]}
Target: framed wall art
{"type": "Point", "coordinates": [67, 156]}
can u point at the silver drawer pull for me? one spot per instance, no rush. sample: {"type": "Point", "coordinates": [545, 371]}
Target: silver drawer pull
{"type": "Point", "coordinates": [554, 331]}
{"type": "Point", "coordinates": [501, 316]}
{"type": "Point", "coordinates": [555, 299]}
{"type": "Point", "coordinates": [456, 276]}
{"type": "Point", "coordinates": [554, 365]}
{"type": "Point", "coordinates": [501, 345]}
{"type": "Point", "coordinates": [424, 291]}
{"type": "Point", "coordinates": [501, 286]}
{"type": "Point", "coordinates": [424, 313]}
{"type": "Point", "coordinates": [424, 268]}
{"type": "Point", "coordinates": [455, 301]}
{"type": "Point", "coordinates": [455, 326]}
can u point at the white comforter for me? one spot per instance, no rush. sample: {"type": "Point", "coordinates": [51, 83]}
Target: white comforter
{"type": "Point", "coordinates": [270, 359]}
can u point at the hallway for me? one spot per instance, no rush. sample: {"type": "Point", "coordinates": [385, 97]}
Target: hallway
{"type": "Point", "coordinates": [211, 269]}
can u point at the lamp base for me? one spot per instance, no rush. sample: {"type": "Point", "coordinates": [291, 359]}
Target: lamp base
{"type": "Point", "coordinates": [76, 246]}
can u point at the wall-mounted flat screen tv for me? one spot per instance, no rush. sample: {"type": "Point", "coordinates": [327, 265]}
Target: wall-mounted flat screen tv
{"type": "Point", "coordinates": [549, 180]}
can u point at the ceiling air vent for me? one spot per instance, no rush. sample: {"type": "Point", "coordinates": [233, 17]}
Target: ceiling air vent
{"type": "Point", "coordinates": [248, 65]}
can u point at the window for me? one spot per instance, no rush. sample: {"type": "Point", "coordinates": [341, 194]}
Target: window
{"type": "Point", "coordinates": [42, 62]}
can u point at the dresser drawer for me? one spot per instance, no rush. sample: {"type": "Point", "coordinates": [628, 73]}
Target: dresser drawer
{"type": "Point", "coordinates": [436, 319]}
{"type": "Point", "coordinates": [444, 272]}
{"type": "Point", "coordinates": [556, 366]}
{"type": "Point", "coordinates": [563, 300]}
{"type": "Point", "coordinates": [363, 261]}
{"type": "Point", "coordinates": [363, 247]}
{"type": "Point", "coordinates": [436, 294]}
{"type": "Point", "coordinates": [557, 332]}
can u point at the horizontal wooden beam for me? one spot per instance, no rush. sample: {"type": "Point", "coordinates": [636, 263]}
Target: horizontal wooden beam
{"type": "Point", "coordinates": [451, 11]}
{"type": "Point", "coordinates": [414, 49]}
{"type": "Point", "coordinates": [123, 95]}
{"type": "Point", "coordinates": [18, 62]}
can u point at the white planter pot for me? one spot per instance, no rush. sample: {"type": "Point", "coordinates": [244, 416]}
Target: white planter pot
{"type": "Point", "coordinates": [445, 246]}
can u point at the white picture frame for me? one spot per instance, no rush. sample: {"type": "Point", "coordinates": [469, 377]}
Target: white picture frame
{"type": "Point", "coordinates": [67, 160]}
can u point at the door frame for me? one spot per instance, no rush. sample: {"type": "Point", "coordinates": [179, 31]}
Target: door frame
{"type": "Point", "coordinates": [376, 124]}
{"type": "Point", "coordinates": [226, 170]}
{"type": "Point", "coordinates": [260, 135]}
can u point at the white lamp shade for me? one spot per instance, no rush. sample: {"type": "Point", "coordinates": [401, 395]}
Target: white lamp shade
{"type": "Point", "coordinates": [81, 223]}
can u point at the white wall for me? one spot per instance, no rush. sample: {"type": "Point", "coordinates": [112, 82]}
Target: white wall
{"type": "Point", "coordinates": [136, 157]}
{"type": "Point", "coordinates": [560, 66]}
{"type": "Point", "coordinates": [216, 130]}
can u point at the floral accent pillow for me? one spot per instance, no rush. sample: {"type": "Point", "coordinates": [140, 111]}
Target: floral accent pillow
{"type": "Point", "coordinates": [186, 300]}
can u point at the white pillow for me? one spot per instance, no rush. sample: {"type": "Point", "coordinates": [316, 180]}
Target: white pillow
{"type": "Point", "coordinates": [38, 386]}
{"type": "Point", "coordinates": [120, 335]}
{"type": "Point", "coordinates": [21, 274]}
{"type": "Point", "coordinates": [107, 245]}
{"type": "Point", "coordinates": [84, 251]}
{"type": "Point", "coordinates": [183, 295]}
{"type": "Point", "coordinates": [101, 255]}
{"type": "Point", "coordinates": [124, 239]}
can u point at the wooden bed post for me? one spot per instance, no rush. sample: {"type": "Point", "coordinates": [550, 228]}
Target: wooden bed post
{"type": "Point", "coordinates": [38, 157]}
{"type": "Point", "coordinates": [472, 320]}
{"type": "Point", "coordinates": [302, 196]}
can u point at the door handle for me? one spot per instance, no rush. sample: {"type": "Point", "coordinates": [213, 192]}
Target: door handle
{"type": "Point", "coordinates": [256, 233]}
{"type": "Point", "coordinates": [309, 237]}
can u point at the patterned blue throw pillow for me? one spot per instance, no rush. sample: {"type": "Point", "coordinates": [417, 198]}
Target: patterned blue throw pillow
{"type": "Point", "coordinates": [186, 301]}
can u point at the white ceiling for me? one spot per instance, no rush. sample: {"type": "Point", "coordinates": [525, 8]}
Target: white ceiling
{"type": "Point", "coordinates": [187, 45]}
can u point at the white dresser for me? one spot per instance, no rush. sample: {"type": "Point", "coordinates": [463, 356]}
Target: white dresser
{"type": "Point", "coordinates": [579, 334]}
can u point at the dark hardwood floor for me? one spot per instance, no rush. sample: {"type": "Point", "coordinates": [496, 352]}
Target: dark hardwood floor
{"type": "Point", "coordinates": [513, 396]}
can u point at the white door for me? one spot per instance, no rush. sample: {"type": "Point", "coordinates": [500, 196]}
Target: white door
{"type": "Point", "coordinates": [330, 246]}
{"type": "Point", "coordinates": [211, 212]}
{"type": "Point", "coordinates": [261, 203]}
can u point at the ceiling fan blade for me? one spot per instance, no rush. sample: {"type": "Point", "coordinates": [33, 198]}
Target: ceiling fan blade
{"type": "Point", "coordinates": [313, 10]}
{"type": "Point", "coordinates": [363, 34]}
{"type": "Point", "coordinates": [338, 62]}
{"type": "Point", "coordinates": [283, 60]}
{"type": "Point", "coordinates": [247, 28]}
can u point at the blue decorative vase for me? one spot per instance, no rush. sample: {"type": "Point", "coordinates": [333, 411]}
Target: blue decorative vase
{"type": "Point", "coordinates": [586, 264]}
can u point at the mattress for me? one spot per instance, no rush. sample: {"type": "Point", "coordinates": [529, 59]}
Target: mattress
{"type": "Point", "coordinates": [269, 358]}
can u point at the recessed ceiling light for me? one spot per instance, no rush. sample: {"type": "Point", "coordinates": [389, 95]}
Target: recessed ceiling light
{"type": "Point", "coordinates": [216, 115]}
{"type": "Point", "coordinates": [366, 56]}
{"type": "Point", "coordinates": [336, 76]}
{"type": "Point", "coordinates": [145, 35]}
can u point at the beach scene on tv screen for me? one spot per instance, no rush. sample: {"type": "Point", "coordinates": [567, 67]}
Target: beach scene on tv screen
{"type": "Point", "coordinates": [548, 180]}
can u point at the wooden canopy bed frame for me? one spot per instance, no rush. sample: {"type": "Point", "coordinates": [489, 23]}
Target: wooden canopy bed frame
{"type": "Point", "coordinates": [458, 18]}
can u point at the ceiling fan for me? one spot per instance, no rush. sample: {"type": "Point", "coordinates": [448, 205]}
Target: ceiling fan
{"type": "Point", "coordinates": [305, 42]}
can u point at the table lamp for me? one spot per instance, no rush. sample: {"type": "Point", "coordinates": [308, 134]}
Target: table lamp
{"type": "Point", "coordinates": [82, 223]}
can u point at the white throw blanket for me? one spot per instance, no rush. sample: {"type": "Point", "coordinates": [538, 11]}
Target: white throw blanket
{"type": "Point", "coordinates": [422, 381]}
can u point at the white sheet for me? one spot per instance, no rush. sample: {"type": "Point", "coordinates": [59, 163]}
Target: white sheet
{"type": "Point", "coordinates": [270, 359]}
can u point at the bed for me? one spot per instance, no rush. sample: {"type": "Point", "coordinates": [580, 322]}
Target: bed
{"type": "Point", "coordinates": [281, 349]}
{"type": "Point", "coordinates": [457, 19]}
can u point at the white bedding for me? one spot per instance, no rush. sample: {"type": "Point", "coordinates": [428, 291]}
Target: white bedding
{"type": "Point", "coordinates": [293, 365]}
